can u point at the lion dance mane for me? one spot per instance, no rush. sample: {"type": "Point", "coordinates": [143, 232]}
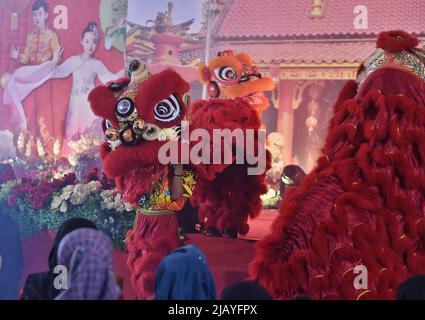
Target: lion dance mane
{"type": "Point", "coordinates": [228, 196]}
{"type": "Point", "coordinates": [363, 204]}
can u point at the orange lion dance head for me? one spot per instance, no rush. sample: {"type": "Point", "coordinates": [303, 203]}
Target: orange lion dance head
{"type": "Point", "coordinates": [234, 75]}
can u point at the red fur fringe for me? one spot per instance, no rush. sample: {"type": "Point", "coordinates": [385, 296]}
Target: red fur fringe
{"type": "Point", "coordinates": [362, 204]}
{"type": "Point", "coordinates": [226, 194]}
{"type": "Point", "coordinates": [396, 41]}
{"type": "Point", "coordinates": [102, 102]}
{"type": "Point", "coordinates": [148, 243]}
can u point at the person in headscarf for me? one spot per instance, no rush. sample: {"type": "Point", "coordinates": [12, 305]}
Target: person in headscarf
{"type": "Point", "coordinates": [39, 286]}
{"type": "Point", "coordinates": [412, 289]}
{"type": "Point", "coordinates": [87, 255]}
{"type": "Point", "coordinates": [246, 290]}
{"type": "Point", "coordinates": [11, 259]}
{"type": "Point", "coordinates": [184, 275]}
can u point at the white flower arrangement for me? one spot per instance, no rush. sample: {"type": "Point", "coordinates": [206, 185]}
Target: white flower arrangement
{"type": "Point", "coordinates": [7, 187]}
{"type": "Point", "coordinates": [76, 194]}
{"type": "Point", "coordinates": [79, 193]}
{"type": "Point", "coordinates": [64, 207]}
{"type": "Point", "coordinates": [87, 145]}
{"type": "Point", "coordinates": [112, 200]}
{"type": "Point", "coordinates": [275, 143]}
{"type": "Point", "coordinates": [7, 146]}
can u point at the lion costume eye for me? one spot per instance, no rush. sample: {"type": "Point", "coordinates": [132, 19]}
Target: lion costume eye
{"type": "Point", "coordinates": [168, 109]}
{"type": "Point", "coordinates": [124, 108]}
{"type": "Point", "coordinates": [108, 124]}
{"type": "Point", "coordinates": [225, 73]}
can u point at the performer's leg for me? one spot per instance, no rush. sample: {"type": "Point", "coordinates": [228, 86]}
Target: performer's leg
{"type": "Point", "coordinates": [153, 237]}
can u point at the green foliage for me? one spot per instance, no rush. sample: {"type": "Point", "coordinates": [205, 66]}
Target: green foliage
{"type": "Point", "coordinates": [32, 222]}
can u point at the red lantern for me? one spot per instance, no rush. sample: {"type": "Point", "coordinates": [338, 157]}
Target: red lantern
{"type": "Point", "coordinates": [15, 7]}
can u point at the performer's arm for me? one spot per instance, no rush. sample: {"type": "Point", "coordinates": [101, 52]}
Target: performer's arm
{"type": "Point", "coordinates": [177, 182]}
{"type": "Point", "coordinates": [111, 33]}
{"type": "Point", "coordinates": [105, 75]}
{"type": "Point", "coordinates": [54, 43]}
{"type": "Point", "coordinates": [65, 69]}
{"type": "Point", "coordinates": [109, 41]}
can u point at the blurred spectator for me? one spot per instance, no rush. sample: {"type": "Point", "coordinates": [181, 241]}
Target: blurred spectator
{"type": "Point", "coordinates": [39, 286]}
{"type": "Point", "coordinates": [87, 255]}
{"type": "Point", "coordinates": [184, 275]}
{"type": "Point", "coordinates": [246, 290]}
{"type": "Point", "coordinates": [7, 152]}
{"type": "Point", "coordinates": [11, 260]}
{"type": "Point", "coordinates": [412, 289]}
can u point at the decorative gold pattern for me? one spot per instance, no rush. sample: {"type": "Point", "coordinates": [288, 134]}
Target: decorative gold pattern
{"type": "Point", "coordinates": [411, 61]}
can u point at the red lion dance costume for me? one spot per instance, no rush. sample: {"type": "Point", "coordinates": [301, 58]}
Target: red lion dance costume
{"type": "Point", "coordinates": [364, 202]}
{"type": "Point", "coordinates": [226, 195]}
{"type": "Point", "coordinates": [139, 116]}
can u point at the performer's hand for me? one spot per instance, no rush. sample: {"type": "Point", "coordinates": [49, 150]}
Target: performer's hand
{"type": "Point", "coordinates": [57, 55]}
{"type": "Point", "coordinates": [14, 53]}
{"type": "Point", "coordinates": [122, 23]}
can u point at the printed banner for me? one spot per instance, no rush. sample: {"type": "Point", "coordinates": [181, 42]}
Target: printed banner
{"type": "Point", "coordinates": [53, 54]}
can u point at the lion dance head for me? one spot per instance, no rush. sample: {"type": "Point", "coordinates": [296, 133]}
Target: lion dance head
{"type": "Point", "coordinates": [232, 75]}
{"type": "Point", "coordinates": [139, 115]}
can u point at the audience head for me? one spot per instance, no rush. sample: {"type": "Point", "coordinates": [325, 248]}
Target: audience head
{"type": "Point", "coordinates": [87, 255]}
{"type": "Point", "coordinates": [67, 227]}
{"type": "Point", "coordinates": [11, 260]}
{"type": "Point", "coordinates": [412, 289]}
{"type": "Point", "coordinates": [184, 275]}
{"type": "Point", "coordinates": [40, 286]}
{"type": "Point", "coordinates": [246, 290]}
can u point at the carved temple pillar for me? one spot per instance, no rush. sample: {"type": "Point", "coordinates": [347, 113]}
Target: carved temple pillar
{"type": "Point", "coordinates": [285, 121]}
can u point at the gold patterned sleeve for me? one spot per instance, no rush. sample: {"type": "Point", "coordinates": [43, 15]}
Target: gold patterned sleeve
{"type": "Point", "coordinates": [25, 56]}
{"type": "Point", "coordinates": [189, 181]}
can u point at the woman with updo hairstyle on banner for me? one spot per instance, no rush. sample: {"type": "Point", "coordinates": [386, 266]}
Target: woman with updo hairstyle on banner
{"type": "Point", "coordinates": [84, 69]}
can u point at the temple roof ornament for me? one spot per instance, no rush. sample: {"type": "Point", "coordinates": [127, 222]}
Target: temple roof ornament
{"type": "Point", "coordinates": [164, 23]}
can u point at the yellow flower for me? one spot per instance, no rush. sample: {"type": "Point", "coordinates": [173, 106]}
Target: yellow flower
{"type": "Point", "coordinates": [21, 141]}
{"type": "Point", "coordinates": [57, 147]}
{"type": "Point", "coordinates": [28, 148]}
{"type": "Point", "coordinates": [40, 149]}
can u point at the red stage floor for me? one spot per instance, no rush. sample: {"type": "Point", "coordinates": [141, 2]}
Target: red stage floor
{"type": "Point", "coordinates": [228, 258]}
